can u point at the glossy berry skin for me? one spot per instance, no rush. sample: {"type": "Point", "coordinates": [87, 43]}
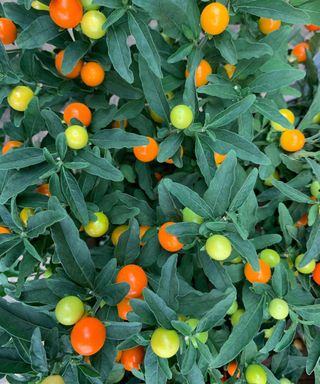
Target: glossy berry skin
{"type": "Point", "coordinates": [77, 111]}
{"type": "Point", "coordinates": [267, 26]}
{"type": "Point", "coordinates": [92, 74]}
{"type": "Point", "coordinates": [4, 231]}
{"type": "Point", "coordinates": [155, 117]}
{"type": "Point", "coordinates": [76, 137]}
{"type": "Point", "coordinates": [147, 153]}
{"type": "Point", "coordinates": [98, 227]}
{"type": "Point", "coordinates": [92, 24]}
{"type": "Point", "coordinates": [9, 145]}
{"type": "Point", "coordinates": [269, 180]}
{"type": "Point", "coordinates": [292, 140]}
{"type": "Point", "coordinates": [25, 214]}
{"type": "Point", "coordinates": [202, 72]}
{"type": "Point", "coordinates": [307, 269]}
{"type": "Point", "coordinates": [75, 71]}
{"type": "Point", "coordinates": [214, 18]}
{"type": "Point", "coordinates": [117, 232]}
{"type": "Point", "coordinates": [230, 69]}
{"type": "Point", "coordinates": [262, 276]}
{"type": "Point", "coordinates": [167, 241]}
{"type": "Point", "coordinates": [312, 27]}
{"type": "Point", "coordinates": [233, 308]}
{"type": "Point", "coordinates": [190, 217]}
{"type": "Point", "coordinates": [69, 310]}
{"type": "Point", "coordinates": [53, 379]}
{"type": "Point", "coordinates": [66, 13]}
{"type": "Point", "coordinates": [165, 343]}
{"type": "Point", "coordinates": [88, 6]}
{"type": "Point", "coordinates": [43, 189]}
{"type": "Point", "coordinates": [136, 277]}
{"type": "Point", "coordinates": [278, 309]}
{"type": "Point", "coordinates": [236, 316]}
{"type": "Point", "coordinates": [20, 97]}
{"type": "Point", "coordinates": [316, 274]}
{"type": "Point", "coordinates": [288, 115]}
{"type": "Point", "coordinates": [124, 308]}
{"type": "Point", "coordinates": [232, 368]}
{"type": "Point", "coordinates": [181, 116]}
{"type": "Point", "coordinates": [8, 31]}
{"type": "Point", "coordinates": [255, 374]}
{"type": "Point", "coordinates": [300, 52]}
{"type": "Point", "coordinates": [302, 222]}
{"type": "Point", "coordinates": [284, 381]}
{"type": "Point", "coordinates": [315, 189]}
{"type": "Point", "coordinates": [271, 257]}
{"type": "Point", "coordinates": [219, 158]}
{"type": "Point", "coordinates": [88, 336]}
{"type": "Point", "coordinates": [218, 247]}
{"type": "Point", "coordinates": [132, 358]}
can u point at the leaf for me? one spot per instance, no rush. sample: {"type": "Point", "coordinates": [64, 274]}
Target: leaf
{"type": "Point", "coordinates": [270, 111]}
{"type": "Point", "coordinates": [246, 249]}
{"type": "Point", "coordinates": [72, 54]}
{"type": "Point", "coordinates": [220, 87]}
{"type": "Point", "coordinates": [188, 359]}
{"type": "Point", "coordinates": [291, 193]}
{"type": "Point", "coordinates": [153, 371]}
{"type": "Point", "coordinates": [247, 49]}
{"type": "Point", "coordinates": [117, 138]}
{"type": "Point", "coordinates": [123, 330]}
{"type": "Point", "coordinates": [53, 122]}
{"type": "Point", "coordinates": [128, 247]}
{"type": "Point", "coordinates": [180, 53]}
{"type": "Point", "coordinates": [218, 194]}
{"type": "Point", "coordinates": [119, 52]}
{"type": "Point", "coordinates": [37, 353]}
{"type": "Point", "coordinates": [232, 112]}
{"type": "Point", "coordinates": [39, 32]}
{"type": "Point", "coordinates": [315, 167]}
{"type": "Point", "coordinates": [21, 158]}
{"type": "Point", "coordinates": [11, 362]}
{"type": "Point", "coordinates": [169, 146]}
{"type": "Point", "coordinates": [145, 43]}
{"type": "Point", "coordinates": [105, 276]}
{"type": "Point", "coordinates": [224, 43]}
{"type": "Point", "coordinates": [169, 292]}
{"type": "Point", "coordinates": [313, 244]}
{"type": "Point", "coordinates": [205, 160]}
{"type": "Point", "coordinates": [245, 190]}
{"type": "Point", "coordinates": [241, 334]}
{"type": "Point", "coordinates": [313, 355]}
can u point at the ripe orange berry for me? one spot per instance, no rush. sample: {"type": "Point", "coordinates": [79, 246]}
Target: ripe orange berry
{"type": "Point", "coordinates": [202, 72]}
{"type": "Point", "coordinates": [232, 368]}
{"type": "Point", "coordinates": [170, 161]}
{"type": "Point", "coordinates": [262, 276]}
{"type": "Point", "coordinates": [71, 75]}
{"type": "Point", "coordinates": [124, 307]}
{"type": "Point", "coordinates": [316, 274]}
{"type": "Point", "coordinates": [66, 13]}
{"type": "Point", "coordinates": [302, 222]}
{"type": "Point", "coordinates": [8, 31]}
{"type": "Point", "coordinates": [92, 74]}
{"type": "Point", "coordinates": [143, 229]}
{"type": "Point", "coordinates": [132, 358]}
{"type": "Point", "coordinates": [77, 111]}
{"type": "Point", "coordinates": [4, 230]}
{"type": "Point", "coordinates": [117, 123]}
{"type": "Point", "coordinates": [214, 18]}
{"type": "Point", "coordinates": [267, 26]}
{"type": "Point", "coordinates": [167, 241]}
{"type": "Point", "coordinates": [219, 158]}
{"type": "Point", "coordinates": [300, 51]}
{"type": "Point", "coordinates": [43, 189]}
{"type": "Point", "coordinates": [230, 69]}
{"type": "Point", "coordinates": [135, 276]}
{"type": "Point", "coordinates": [117, 232]}
{"type": "Point", "coordinates": [147, 153]}
{"type": "Point", "coordinates": [9, 145]}
{"type": "Point", "coordinates": [118, 357]}
{"type": "Point", "coordinates": [292, 140]}
{"type": "Point", "coordinates": [312, 27]}
{"type": "Point", "coordinates": [158, 176]}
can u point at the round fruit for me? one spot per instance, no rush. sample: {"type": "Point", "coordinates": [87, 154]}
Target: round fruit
{"type": "Point", "coordinates": [267, 26]}
{"type": "Point", "coordinates": [214, 18]}
{"type": "Point", "coordinates": [43, 189]}
{"type": "Point", "coordinates": [132, 358]}
{"type": "Point", "coordinates": [271, 257]}
{"type": "Point", "coordinates": [155, 117]}
{"type": "Point", "coordinates": [190, 217]}
{"type": "Point", "coordinates": [202, 72]}
{"type": "Point", "coordinates": [35, 4]}
{"type": "Point", "coordinates": [232, 368]}
{"type": "Point", "coordinates": [219, 158]}
{"type": "Point", "coordinates": [75, 71]}
{"type": "Point", "coordinates": [8, 31]}
{"type": "Point", "coordinates": [92, 24]}
{"type": "Point", "coordinates": [314, 188]}
{"type": "Point", "coordinates": [307, 269]}
{"type": "Point", "coordinates": [118, 357]}
{"type": "Point", "coordinates": [124, 308]}
{"type": "Point", "coordinates": [119, 124]}
{"type": "Point", "coordinates": [268, 332]}
{"type": "Point", "coordinates": [66, 13]}
{"type": "Point", "coordinates": [235, 318]}
{"type": "Point", "coordinates": [167, 241]}
{"type": "Point", "coordinates": [278, 309]}
{"type": "Point", "coordinates": [292, 140]}
{"type": "Point", "coordinates": [88, 336]}
{"type": "Point", "coordinates": [77, 111]}
{"type": "Point", "coordinates": [233, 308]}
{"type": "Point", "coordinates": [53, 379]}
{"type": "Point", "coordinates": [147, 153]}
{"type": "Point", "coordinates": [117, 232]}
{"type": "Point", "coordinates": [9, 145]}
{"type": "Point", "coordinates": [303, 221]}
{"type": "Point", "coordinates": [88, 6]}
{"type": "Point", "coordinates": [181, 116]}
{"type": "Point", "coordinates": [20, 97]}
{"type": "Point", "coordinates": [300, 52]}
{"type": "Point", "coordinates": [142, 231]}
{"type": "Point", "coordinates": [4, 230]}
{"type": "Point", "coordinates": [25, 214]}
{"type": "Point", "coordinates": [284, 381]}
{"type": "Point", "coordinates": [69, 310]}
{"type": "Point", "coordinates": [255, 374]}
{"type": "Point", "coordinates": [136, 277]}
{"type": "Point", "coordinates": [269, 180]}
{"type": "Point", "coordinates": [76, 137]}
{"type": "Point", "coordinates": [92, 74]}
{"type": "Point", "coordinates": [262, 276]}
{"type": "Point", "coordinates": [165, 343]}
{"type": "Point", "coordinates": [218, 247]}
{"type": "Point", "coordinates": [315, 274]}
{"type": "Point", "coordinates": [98, 227]}
{"type": "Point", "coordinates": [312, 27]}
{"type": "Point", "coordinates": [288, 115]}
{"type": "Point", "coordinates": [230, 69]}
{"type": "Point", "coordinates": [201, 336]}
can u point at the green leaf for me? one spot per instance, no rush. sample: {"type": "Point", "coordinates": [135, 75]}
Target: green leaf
{"type": "Point", "coordinates": [119, 52]}
{"type": "Point", "coordinates": [247, 49]}
{"type": "Point", "coordinates": [286, 222]}
{"type": "Point", "coordinates": [287, 338]}
{"type": "Point", "coordinates": [180, 53]}
{"type": "Point", "coordinates": [169, 292]}
{"type": "Point", "coordinates": [39, 32]}
{"type": "Point", "coordinates": [21, 158]}
{"type": "Point", "coordinates": [145, 44]}
{"type": "Point", "coordinates": [72, 54]}
{"type": "Point", "coordinates": [313, 355]}
{"type": "Point", "coordinates": [128, 247]}
{"type": "Point", "coordinates": [105, 276]}
{"type": "Point", "coordinates": [113, 17]}
{"type": "Point", "coordinates": [270, 111]}
{"type": "Point", "coordinates": [313, 244]}
{"type": "Point", "coordinates": [153, 371]}
{"type": "Point", "coordinates": [291, 193]}
{"type": "Point", "coordinates": [224, 43]}
{"type": "Point", "coordinates": [37, 353]}
{"type": "Point", "coordinates": [246, 249]}
{"type": "Point", "coordinates": [243, 193]}
{"type": "Point", "coordinates": [220, 87]}
{"type": "Point", "coordinates": [205, 160]}
{"type": "Point", "coordinates": [53, 122]}
{"type": "Point", "coordinates": [11, 362]}
{"type": "Point", "coordinates": [188, 359]}
{"type": "Point", "coordinates": [117, 138]}
{"type": "Point", "coordinates": [169, 147]}
{"type": "Point", "coordinates": [280, 280]}
{"type": "Point", "coordinates": [315, 167]}
{"type": "Point", "coordinates": [123, 330]}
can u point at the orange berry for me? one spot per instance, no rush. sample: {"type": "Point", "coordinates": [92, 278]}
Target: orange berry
{"type": "Point", "coordinates": [219, 158]}
{"type": "Point", "coordinates": [267, 26]}
{"type": "Point", "coordinates": [132, 358]}
{"type": "Point", "coordinates": [300, 51]}
{"type": "Point", "coordinates": [202, 72]}
{"type": "Point", "coordinates": [292, 140]}
{"type": "Point", "coordinates": [147, 153]}
{"type": "Point", "coordinates": [66, 13]}
{"type": "Point", "coordinates": [167, 241]}
{"type": "Point", "coordinates": [92, 74]}
{"type": "Point", "coordinates": [262, 276]}
{"type": "Point", "coordinates": [9, 145]}
{"type": "Point", "coordinates": [43, 189]}
{"type": "Point", "coordinates": [77, 111]}
{"type": "Point", "coordinates": [230, 69]}
{"type": "Point", "coordinates": [71, 75]}
{"type": "Point", "coordinates": [8, 31]}
{"type": "Point", "coordinates": [214, 18]}
{"type": "Point", "coordinates": [316, 274]}
{"type": "Point", "coordinates": [135, 276]}
{"type": "Point", "coordinates": [4, 230]}
{"type": "Point", "coordinates": [117, 123]}
{"type": "Point", "coordinates": [312, 27]}
{"type": "Point", "coordinates": [302, 222]}
{"type": "Point", "coordinates": [118, 357]}
{"type": "Point", "coordinates": [232, 368]}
